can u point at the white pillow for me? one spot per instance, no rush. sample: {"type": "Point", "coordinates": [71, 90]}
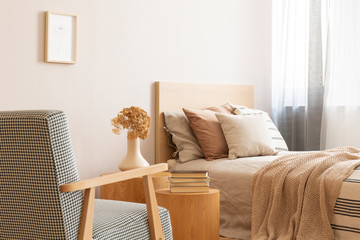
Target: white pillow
{"type": "Point", "coordinates": [278, 140]}
{"type": "Point", "coordinates": [246, 135]}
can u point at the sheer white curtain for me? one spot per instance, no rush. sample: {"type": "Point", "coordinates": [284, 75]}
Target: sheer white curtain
{"type": "Point", "coordinates": [341, 115]}
{"type": "Point", "coordinates": [297, 89]}
{"type": "Point", "coordinates": [290, 46]}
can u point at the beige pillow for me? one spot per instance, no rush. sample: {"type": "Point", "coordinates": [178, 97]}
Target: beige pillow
{"type": "Point", "coordinates": [208, 132]}
{"type": "Point", "coordinates": [277, 139]}
{"type": "Point", "coordinates": [182, 136]}
{"type": "Point", "coordinates": [246, 135]}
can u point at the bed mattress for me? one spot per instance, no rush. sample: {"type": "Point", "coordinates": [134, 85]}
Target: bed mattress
{"type": "Point", "coordinates": [233, 179]}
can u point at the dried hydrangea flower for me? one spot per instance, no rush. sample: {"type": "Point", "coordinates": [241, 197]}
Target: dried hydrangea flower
{"type": "Point", "coordinates": [135, 120]}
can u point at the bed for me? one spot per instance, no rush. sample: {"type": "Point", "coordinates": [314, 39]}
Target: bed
{"type": "Point", "coordinates": [233, 177]}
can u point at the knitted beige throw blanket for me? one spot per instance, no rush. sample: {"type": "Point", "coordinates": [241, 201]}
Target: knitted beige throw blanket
{"type": "Point", "coordinates": [294, 196]}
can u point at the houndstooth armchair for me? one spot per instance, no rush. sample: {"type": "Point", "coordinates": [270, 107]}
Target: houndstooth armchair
{"type": "Point", "coordinates": [41, 196]}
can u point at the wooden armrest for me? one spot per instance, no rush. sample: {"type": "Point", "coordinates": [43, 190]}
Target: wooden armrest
{"type": "Point", "coordinates": [114, 177]}
{"type": "Point", "coordinates": [87, 215]}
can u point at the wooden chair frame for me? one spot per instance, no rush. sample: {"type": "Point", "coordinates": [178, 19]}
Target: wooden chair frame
{"type": "Point", "coordinates": [89, 185]}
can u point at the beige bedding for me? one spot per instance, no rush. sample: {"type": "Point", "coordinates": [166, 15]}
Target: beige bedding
{"type": "Point", "coordinates": [294, 196]}
{"type": "Point", "coordinates": [233, 179]}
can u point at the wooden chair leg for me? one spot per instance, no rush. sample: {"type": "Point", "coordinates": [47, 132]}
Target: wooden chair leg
{"type": "Point", "coordinates": [87, 215]}
{"type": "Point", "coordinates": [156, 231]}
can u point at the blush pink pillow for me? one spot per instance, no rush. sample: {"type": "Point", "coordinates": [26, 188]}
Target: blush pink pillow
{"type": "Point", "coordinates": [208, 132]}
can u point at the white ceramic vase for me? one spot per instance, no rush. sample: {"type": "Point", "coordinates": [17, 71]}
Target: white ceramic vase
{"type": "Point", "coordinates": [133, 158]}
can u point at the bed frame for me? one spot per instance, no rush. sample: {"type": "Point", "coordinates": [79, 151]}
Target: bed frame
{"type": "Point", "coordinates": [173, 96]}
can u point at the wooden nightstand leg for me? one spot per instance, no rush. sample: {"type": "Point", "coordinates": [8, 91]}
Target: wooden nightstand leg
{"type": "Point", "coordinates": [156, 231]}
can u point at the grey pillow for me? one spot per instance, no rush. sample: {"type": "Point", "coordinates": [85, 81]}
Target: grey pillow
{"type": "Point", "coordinates": [182, 136]}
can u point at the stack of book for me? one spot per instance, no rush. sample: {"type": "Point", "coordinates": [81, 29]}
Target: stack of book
{"type": "Point", "coordinates": [189, 181]}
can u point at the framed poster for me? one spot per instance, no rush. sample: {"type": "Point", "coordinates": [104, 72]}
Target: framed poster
{"type": "Point", "coordinates": [60, 38]}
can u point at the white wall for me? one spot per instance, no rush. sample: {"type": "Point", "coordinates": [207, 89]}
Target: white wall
{"type": "Point", "coordinates": [123, 47]}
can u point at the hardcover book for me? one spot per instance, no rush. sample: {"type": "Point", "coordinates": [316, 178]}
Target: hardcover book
{"type": "Point", "coordinates": [190, 174]}
{"type": "Point", "coordinates": [183, 180]}
{"type": "Point", "coordinates": [193, 184]}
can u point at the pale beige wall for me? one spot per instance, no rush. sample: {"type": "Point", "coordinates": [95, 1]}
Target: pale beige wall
{"type": "Point", "coordinates": [123, 47]}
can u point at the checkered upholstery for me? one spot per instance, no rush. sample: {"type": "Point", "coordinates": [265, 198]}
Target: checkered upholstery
{"type": "Point", "coordinates": [36, 157]}
{"type": "Point", "coordinates": [125, 220]}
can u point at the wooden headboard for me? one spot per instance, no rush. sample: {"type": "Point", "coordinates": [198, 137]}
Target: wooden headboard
{"type": "Point", "coordinates": [172, 96]}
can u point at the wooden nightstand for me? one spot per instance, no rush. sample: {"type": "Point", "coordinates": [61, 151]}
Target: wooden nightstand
{"type": "Point", "coordinates": [132, 190]}
{"type": "Point", "coordinates": [193, 215]}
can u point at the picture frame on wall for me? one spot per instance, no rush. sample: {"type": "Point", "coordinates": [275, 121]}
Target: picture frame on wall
{"type": "Point", "coordinates": [60, 38]}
